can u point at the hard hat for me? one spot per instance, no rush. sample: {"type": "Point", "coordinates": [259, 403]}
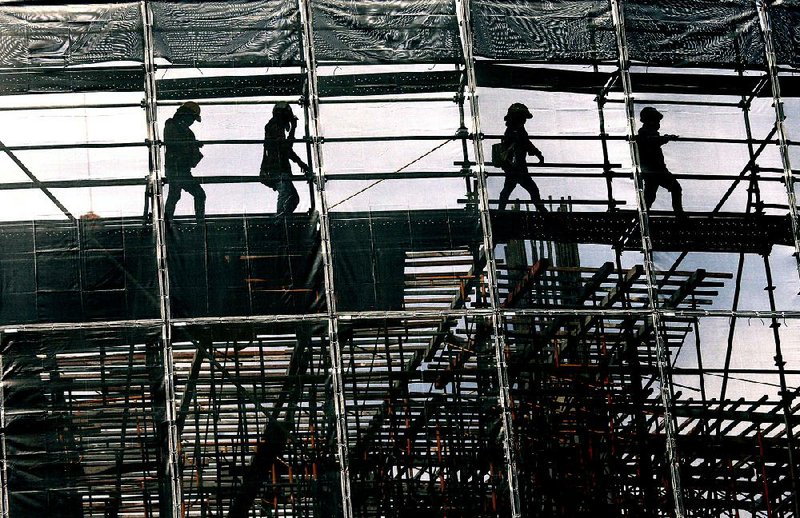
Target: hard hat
{"type": "Point", "coordinates": [518, 109]}
{"type": "Point", "coordinates": [650, 114]}
{"type": "Point", "coordinates": [282, 106]}
{"type": "Point", "coordinates": [192, 108]}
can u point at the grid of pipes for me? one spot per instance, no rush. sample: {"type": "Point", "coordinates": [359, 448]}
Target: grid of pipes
{"type": "Point", "coordinates": [514, 381]}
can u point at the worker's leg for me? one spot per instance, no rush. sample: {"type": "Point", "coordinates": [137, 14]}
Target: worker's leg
{"type": "Point", "coordinates": [173, 195]}
{"type": "Point", "coordinates": [650, 188]}
{"type": "Point", "coordinates": [671, 184]}
{"type": "Point", "coordinates": [529, 185]}
{"type": "Point", "coordinates": [288, 199]}
{"type": "Point", "coordinates": [199, 195]}
{"type": "Point", "coordinates": [508, 187]}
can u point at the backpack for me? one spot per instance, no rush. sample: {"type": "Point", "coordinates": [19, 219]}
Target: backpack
{"type": "Point", "coordinates": [502, 155]}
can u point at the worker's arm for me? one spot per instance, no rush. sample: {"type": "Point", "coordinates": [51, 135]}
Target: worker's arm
{"type": "Point", "coordinates": [294, 157]}
{"type": "Point", "coordinates": [534, 151]}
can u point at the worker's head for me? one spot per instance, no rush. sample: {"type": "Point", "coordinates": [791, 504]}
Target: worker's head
{"type": "Point", "coordinates": [518, 113]}
{"type": "Point", "coordinates": [650, 115]}
{"type": "Point", "coordinates": [283, 112]}
{"type": "Point", "coordinates": [190, 110]}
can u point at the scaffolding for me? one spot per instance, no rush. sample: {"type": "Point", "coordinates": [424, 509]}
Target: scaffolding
{"type": "Point", "coordinates": [399, 345]}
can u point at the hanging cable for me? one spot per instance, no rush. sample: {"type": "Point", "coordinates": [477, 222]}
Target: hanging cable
{"type": "Point", "coordinates": [373, 184]}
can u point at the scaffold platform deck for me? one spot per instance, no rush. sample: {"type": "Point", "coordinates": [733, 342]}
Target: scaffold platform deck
{"type": "Point", "coordinates": [260, 264]}
{"type": "Point", "coordinates": [694, 232]}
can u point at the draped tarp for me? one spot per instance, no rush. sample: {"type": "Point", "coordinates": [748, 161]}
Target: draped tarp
{"type": "Point", "coordinates": [80, 409]}
{"type": "Point", "coordinates": [246, 266]}
{"type": "Point", "coordinates": [373, 252]}
{"type": "Point", "coordinates": [785, 20]}
{"type": "Point", "coordinates": [386, 31]}
{"type": "Point", "coordinates": [54, 271]}
{"type": "Point", "coordinates": [269, 32]}
{"type": "Point", "coordinates": [566, 31]}
{"type": "Point", "coordinates": [696, 32]}
{"type": "Point", "coordinates": [62, 35]}
{"type": "Point", "coordinates": [234, 33]}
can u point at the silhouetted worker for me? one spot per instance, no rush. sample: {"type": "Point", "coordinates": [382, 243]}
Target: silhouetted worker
{"type": "Point", "coordinates": [654, 171]}
{"type": "Point", "coordinates": [182, 154]}
{"type": "Point", "coordinates": [276, 172]}
{"type": "Point", "coordinates": [518, 146]}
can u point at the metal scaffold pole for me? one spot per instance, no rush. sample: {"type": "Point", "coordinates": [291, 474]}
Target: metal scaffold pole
{"type": "Point", "coordinates": [780, 124]}
{"type": "Point", "coordinates": [337, 373]}
{"type": "Point", "coordinates": [171, 484]}
{"type": "Point", "coordinates": [662, 359]}
{"type": "Point", "coordinates": [465, 33]}
{"type": "Point", "coordinates": [4, 511]}
{"type": "Point", "coordinates": [786, 396]}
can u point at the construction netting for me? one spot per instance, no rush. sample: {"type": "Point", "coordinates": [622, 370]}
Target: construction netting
{"type": "Point", "coordinates": [571, 31]}
{"type": "Point", "coordinates": [355, 301]}
{"type": "Point", "coordinates": [268, 32]}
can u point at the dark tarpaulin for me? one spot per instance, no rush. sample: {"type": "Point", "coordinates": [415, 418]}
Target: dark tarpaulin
{"type": "Point", "coordinates": [70, 80]}
{"type": "Point", "coordinates": [71, 272]}
{"type": "Point", "coordinates": [246, 266]}
{"type": "Point", "coordinates": [696, 32]}
{"type": "Point", "coordinates": [64, 391]}
{"type": "Point", "coordinates": [785, 20]}
{"type": "Point", "coordinates": [392, 83]}
{"type": "Point", "coordinates": [233, 33]}
{"type": "Point", "coordinates": [369, 251]}
{"type": "Point", "coordinates": [287, 85]}
{"type": "Point", "coordinates": [565, 31]}
{"type": "Point", "coordinates": [392, 31]}
{"type": "Point", "coordinates": [74, 34]}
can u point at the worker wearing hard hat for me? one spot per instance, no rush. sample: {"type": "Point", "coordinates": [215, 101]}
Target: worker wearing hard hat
{"type": "Point", "coordinates": [651, 159]}
{"type": "Point", "coordinates": [182, 154]}
{"type": "Point", "coordinates": [276, 172]}
{"type": "Point", "coordinates": [512, 155]}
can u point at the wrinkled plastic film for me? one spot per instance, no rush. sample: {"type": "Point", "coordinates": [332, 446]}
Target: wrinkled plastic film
{"type": "Point", "coordinates": [39, 36]}
{"type": "Point", "coordinates": [697, 32]}
{"type": "Point", "coordinates": [570, 31]}
{"type": "Point", "coordinates": [375, 31]}
{"type": "Point", "coordinates": [65, 392]}
{"type": "Point", "coordinates": [785, 18]}
{"type": "Point", "coordinates": [239, 33]}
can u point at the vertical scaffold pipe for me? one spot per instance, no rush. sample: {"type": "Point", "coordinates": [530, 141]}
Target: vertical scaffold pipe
{"type": "Point", "coordinates": [171, 486]}
{"type": "Point", "coordinates": [3, 456]}
{"type": "Point", "coordinates": [662, 359]}
{"type": "Point", "coordinates": [780, 125]}
{"type": "Point", "coordinates": [465, 33]}
{"type": "Point", "coordinates": [783, 143]}
{"type": "Point", "coordinates": [342, 449]}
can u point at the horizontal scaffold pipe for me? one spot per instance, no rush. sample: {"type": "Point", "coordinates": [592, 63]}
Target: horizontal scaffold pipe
{"type": "Point", "coordinates": [80, 145]}
{"type": "Point", "coordinates": [679, 176]}
{"type": "Point", "coordinates": [710, 140]}
{"type": "Point", "coordinates": [86, 106]}
{"type": "Point", "coordinates": [543, 136]}
{"type": "Point", "coordinates": [687, 371]}
{"type": "Point", "coordinates": [388, 138]}
{"type": "Point", "coordinates": [545, 165]}
{"type": "Point", "coordinates": [398, 176]}
{"type": "Point", "coordinates": [559, 201]}
{"type": "Point", "coordinates": [679, 102]}
{"type": "Point", "coordinates": [382, 100]}
{"type": "Point", "coordinates": [73, 326]}
{"type": "Point", "coordinates": [666, 313]}
{"type": "Point", "coordinates": [78, 183]}
{"type": "Point", "coordinates": [232, 102]}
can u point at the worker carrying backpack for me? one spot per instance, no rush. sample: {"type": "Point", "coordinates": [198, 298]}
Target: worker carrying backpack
{"type": "Point", "coordinates": [503, 155]}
